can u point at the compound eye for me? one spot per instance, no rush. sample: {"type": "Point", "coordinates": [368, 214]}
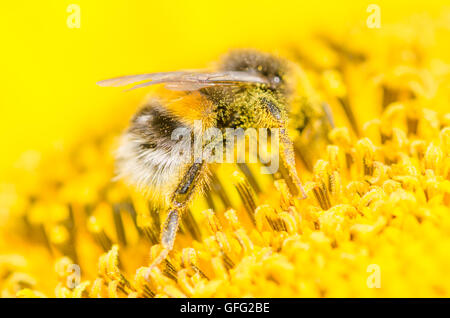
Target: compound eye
{"type": "Point", "coordinates": [275, 81]}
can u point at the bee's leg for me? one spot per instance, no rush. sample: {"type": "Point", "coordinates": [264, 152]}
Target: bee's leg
{"type": "Point", "coordinates": [287, 165]}
{"type": "Point", "coordinates": [168, 234]}
{"type": "Point", "coordinates": [179, 202]}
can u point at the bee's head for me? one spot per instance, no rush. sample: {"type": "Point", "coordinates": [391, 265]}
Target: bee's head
{"type": "Point", "coordinates": [272, 68]}
{"type": "Point", "coordinates": [266, 102]}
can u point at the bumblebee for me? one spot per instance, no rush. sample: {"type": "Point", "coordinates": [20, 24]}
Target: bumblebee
{"type": "Point", "coordinates": [248, 89]}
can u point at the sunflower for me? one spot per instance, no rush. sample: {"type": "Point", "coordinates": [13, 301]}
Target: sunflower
{"type": "Point", "coordinates": [375, 223]}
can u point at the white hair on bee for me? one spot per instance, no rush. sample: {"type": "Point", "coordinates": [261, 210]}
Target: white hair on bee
{"type": "Point", "coordinates": [148, 157]}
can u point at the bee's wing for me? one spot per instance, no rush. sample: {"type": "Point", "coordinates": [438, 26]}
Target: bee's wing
{"type": "Point", "coordinates": [187, 81]}
{"type": "Point", "coordinates": [130, 79]}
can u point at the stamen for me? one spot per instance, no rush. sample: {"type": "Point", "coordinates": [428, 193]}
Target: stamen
{"type": "Point", "coordinates": [246, 193]}
{"type": "Point", "coordinates": [99, 233]}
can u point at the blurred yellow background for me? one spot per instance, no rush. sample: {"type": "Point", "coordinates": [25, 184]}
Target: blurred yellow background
{"type": "Point", "coordinates": [49, 71]}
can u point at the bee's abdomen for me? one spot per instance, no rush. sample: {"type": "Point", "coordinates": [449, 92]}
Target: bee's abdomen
{"type": "Point", "coordinates": [154, 124]}
{"type": "Point", "coordinates": [148, 156]}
